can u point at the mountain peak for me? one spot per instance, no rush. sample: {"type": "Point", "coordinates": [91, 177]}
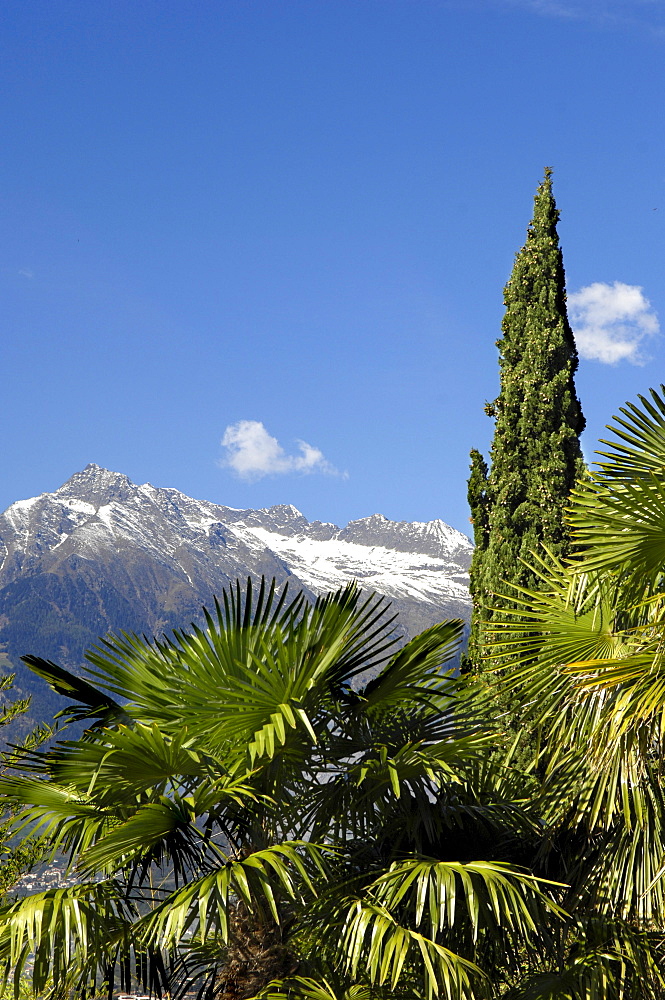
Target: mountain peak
{"type": "Point", "coordinates": [284, 509]}
{"type": "Point", "coordinates": [435, 538]}
{"type": "Point", "coordinates": [95, 483]}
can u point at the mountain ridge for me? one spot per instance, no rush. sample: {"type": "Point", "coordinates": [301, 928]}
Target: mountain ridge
{"type": "Point", "coordinates": [102, 554]}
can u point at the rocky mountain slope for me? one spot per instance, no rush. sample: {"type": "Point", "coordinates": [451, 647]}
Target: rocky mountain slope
{"type": "Point", "coordinates": [102, 554]}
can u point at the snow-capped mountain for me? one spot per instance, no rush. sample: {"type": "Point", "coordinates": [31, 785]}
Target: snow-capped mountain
{"type": "Point", "coordinates": [102, 554]}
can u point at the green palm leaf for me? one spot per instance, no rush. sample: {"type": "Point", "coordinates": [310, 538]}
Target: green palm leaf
{"type": "Point", "coordinates": [376, 943]}
{"type": "Point", "coordinates": [416, 667]}
{"type": "Point", "coordinates": [202, 908]}
{"type": "Point", "coordinates": [307, 988]}
{"type": "Point", "coordinates": [639, 445]}
{"type": "Point", "coordinates": [63, 932]}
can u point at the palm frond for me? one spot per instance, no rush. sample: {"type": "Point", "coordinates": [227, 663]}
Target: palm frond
{"type": "Point", "coordinates": [639, 445]}
{"type": "Point", "coordinates": [413, 670]}
{"type": "Point", "coordinates": [64, 932]}
{"type": "Point", "coordinates": [91, 703]}
{"type": "Point", "coordinates": [376, 944]}
{"type": "Point", "coordinates": [444, 910]}
{"type": "Point", "coordinates": [201, 909]}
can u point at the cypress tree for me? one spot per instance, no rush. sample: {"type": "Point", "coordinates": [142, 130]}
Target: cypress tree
{"type": "Point", "coordinates": [535, 456]}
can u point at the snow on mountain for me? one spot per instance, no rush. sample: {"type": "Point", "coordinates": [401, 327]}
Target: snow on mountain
{"type": "Point", "coordinates": [97, 510]}
{"type": "Point", "coordinates": [326, 565]}
{"type": "Point", "coordinates": [103, 554]}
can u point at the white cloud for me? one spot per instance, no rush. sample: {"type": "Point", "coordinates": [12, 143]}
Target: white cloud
{"type": "Point", "coordinates": [26, 272]}
{"type": "Point", "coordinates": [251, 452]}
{"type": "Point", "coordinates": [611, 322]}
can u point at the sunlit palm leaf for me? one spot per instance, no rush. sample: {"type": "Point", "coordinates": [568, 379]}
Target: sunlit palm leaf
{"type": "Point", "coordinates": [252, 685]}
{"type": "Point", "coordinates": [622, 527]}
{"type": "Point", "coordinates": [306, 988]}
{"type": "Point", "coordinates": [70, 820]}
{"type": "Point", "coordinates": [202, 908]}
{"type": "Point", "coordinates": [437, 906]}
{"type": "Point", "coordinates": [81, 926]}
{"type": "Point", "coordinates": [610, 960]}
{"type": "Point", "coordinates": [378, 945]}
{"type": "Point", "coordinates": [639, 445]}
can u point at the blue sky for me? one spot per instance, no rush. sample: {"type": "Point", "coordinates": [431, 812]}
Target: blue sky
{"type": "Point", "coordinates": [273, 222]}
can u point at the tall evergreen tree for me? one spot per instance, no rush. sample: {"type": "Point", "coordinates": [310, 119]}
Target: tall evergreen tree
{"type": "Point", "coordinates": [535, 456]}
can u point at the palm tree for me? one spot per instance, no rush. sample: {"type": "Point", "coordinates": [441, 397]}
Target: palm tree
{"type": "Point", "coordinates": [282, 801]}
{"type": "Point", "coordinates": [591, 643]}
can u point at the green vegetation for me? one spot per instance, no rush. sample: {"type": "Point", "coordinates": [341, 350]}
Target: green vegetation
{"type": "Point", "coordinates": [240, 815]}
{"type": "Point", "coordinates": [535, 456]}
{"type": "Point", "coordinates": [17, 858]}
{"type": "Point", "coordinates": [589, 645]}
{"type": "Point", "coordinates": [246, 814]}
